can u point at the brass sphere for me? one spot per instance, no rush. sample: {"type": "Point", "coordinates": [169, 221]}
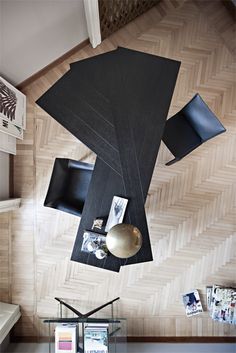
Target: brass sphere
{"type": "Point", "coordinates": [124, 240]}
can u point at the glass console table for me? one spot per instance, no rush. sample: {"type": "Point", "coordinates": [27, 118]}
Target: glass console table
{"type": "Point", "coordinates": [116, 329]}
{"type": "Point", "coordinates": [90, 332]}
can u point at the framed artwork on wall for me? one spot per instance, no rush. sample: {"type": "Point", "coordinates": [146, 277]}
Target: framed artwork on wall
{"type": "Point", "coordinates": [12, 104]}
{"type": "Point", "coordinates": [11, 129]}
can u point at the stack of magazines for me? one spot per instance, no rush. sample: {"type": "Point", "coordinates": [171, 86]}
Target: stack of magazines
{"type": "Point", "coordinates": [221, 303]}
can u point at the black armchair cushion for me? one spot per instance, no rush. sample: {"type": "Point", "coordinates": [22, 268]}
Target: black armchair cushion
{"type": "Point", "coordinates": [202, 119]}
{"type": "Point", "coordinates": [69, 185]}
{"type": "Point", "coordinates": [179, 136]}
{"type": "Point", "coordinates": [190, 127]}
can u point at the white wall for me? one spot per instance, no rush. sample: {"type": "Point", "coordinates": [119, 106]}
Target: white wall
{"type": "Point", "coordinates": [36, 32]}
{"type": "Point", "coordinates": [4, 175]}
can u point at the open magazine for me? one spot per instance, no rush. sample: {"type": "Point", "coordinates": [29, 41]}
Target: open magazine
{"type": "Point", "coordinates": [221, 303]}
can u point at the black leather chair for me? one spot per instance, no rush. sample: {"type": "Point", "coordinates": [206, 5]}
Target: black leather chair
{"type": "Point", "coordinates": [190, 127]}
{"type": "Point", "coordinates": [69, 185]}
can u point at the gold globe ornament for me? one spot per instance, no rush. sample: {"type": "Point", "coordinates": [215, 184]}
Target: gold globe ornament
{"type": "Point", "coordinates": [124, 240]}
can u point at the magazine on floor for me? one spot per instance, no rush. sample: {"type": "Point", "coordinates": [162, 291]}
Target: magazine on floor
{"type": "Point", "coordinates": [222, 303]}
{"type": "Point", "coordinates": [192, 303]}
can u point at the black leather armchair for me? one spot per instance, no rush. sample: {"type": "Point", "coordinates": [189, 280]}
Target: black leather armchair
{"type": "Point", "coordinates": [69, 185]}
{"type": "Point", "coordinates": [194, 124]}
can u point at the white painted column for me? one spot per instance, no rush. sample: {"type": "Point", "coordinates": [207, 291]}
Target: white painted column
{"type": "Point", "coordinates": [93, 21]}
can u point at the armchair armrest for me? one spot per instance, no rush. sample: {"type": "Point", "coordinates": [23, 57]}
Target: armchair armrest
{"type": "Point", "coordinates": [176, 159]}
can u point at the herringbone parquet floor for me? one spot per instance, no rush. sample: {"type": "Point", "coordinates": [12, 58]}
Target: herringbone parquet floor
{"type": "Point", "coordinates": [191, 206]}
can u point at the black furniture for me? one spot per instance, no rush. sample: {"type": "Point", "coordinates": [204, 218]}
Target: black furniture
{"type": "Point", "coordinates": [69, 185]}
{"type": "Point", "coordinates": [116, 103]}
{"type": "Point", "coordinates": [190, 127]}
{"type": "Point", "coordinates": [78, 313]}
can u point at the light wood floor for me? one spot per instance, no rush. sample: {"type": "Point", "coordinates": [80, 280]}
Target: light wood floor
{"type": "Point", "coordinates": [191, 206]}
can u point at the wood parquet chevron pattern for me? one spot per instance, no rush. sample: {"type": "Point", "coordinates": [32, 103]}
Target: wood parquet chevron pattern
{"type": "Point", "coordinates": [191, 206]}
